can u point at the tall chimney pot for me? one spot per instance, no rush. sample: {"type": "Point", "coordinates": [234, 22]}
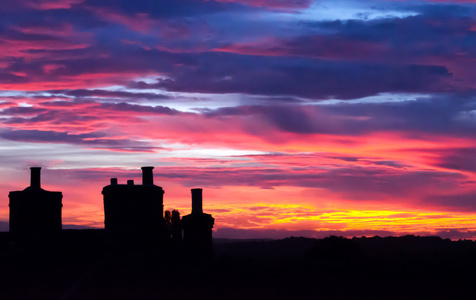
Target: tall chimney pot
{"type": "Point", "coordinates": [147, 176]}
{"type": "Point", "coordinates": [197, 201]}
{"type": "Point", "coordinates": [35, 178]}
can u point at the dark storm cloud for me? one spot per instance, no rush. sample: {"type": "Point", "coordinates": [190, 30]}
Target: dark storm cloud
{"type": "Point", "coordinates": [15, 35]}
{"type": "Point", "coordinates": [444, 114]}
{"type": "Point", "coordinates": [457, 202]}
{"type": "Point", "coordinates": [461, 159]}
{"type": "Point", "coordinates": [94, 140]}
{"type": "Point", "coordinates": [167, 8]}
{"type": "Point", "coordinates": [429, 22]}
{"type": "Point", "coordinates": [45, 136]}
{"type": "Point", "coordinates": [83, 93]}
{"type": "Point", "coordinates": [305, 78]}
{"type": "Point", "coordinates": [125, 107]}
{"type": "Point", "coordinates": [53, 117]}
{"type": "Point", "coordinates": [363, 183]}
{"type": "Point", "coordinates": [394, 39]}
{"type": "Point", "coordinates": [24, 111]}
{"type": "Point", "coordinates": [7, 77]}
{"type": "Point", "coordinates": [89, 116]}
{"type": "Point", "coordinates": [96, 61]}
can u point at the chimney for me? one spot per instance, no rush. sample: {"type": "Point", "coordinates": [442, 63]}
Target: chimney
{"type": "Point", "coordinates": [147, 176]}
{"type": "Point", "coordinates": [35, 181]}
{"type": "Point", "coordinates": [130, 182]}
{"type": "Point", "coordinates": [113, 181]}
{"type": "Point", "coordinates": [197, 201]}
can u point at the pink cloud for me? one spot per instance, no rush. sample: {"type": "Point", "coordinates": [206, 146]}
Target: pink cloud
{"type": "Point", "coordinates": [51, 4]}
{"type": "Point", "coordinates": [278, 4]}
{"type": "Point", "coordinates": [144, 23]}
{"type": "Point", "coordinates": [328, 47]}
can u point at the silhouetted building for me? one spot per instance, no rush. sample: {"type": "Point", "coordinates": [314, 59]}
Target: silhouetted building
{"type": "Point", "coordinates": [134, 212]}
{"type": "Point", "coordinates": [197, 228]}
{"type": "Point", "coordinates": [34, 209]}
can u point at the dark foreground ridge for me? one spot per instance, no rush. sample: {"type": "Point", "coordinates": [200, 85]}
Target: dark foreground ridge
{"type": "Point", "coordinates": [146, 253]}
{"type": "Point", "coordinates": [75, 264]}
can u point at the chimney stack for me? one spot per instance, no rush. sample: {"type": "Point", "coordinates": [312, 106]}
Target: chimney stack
{"type": "Point", "coordinates": [147, 176]}
{"type": "Point", "coordinates": [197, 201]}
{"type": "Point", "coordinates": [35, 178]}
{"type": "Point", "coordinates": [113, 181]}
{"type": "Point", "coordinates": [130, 182]}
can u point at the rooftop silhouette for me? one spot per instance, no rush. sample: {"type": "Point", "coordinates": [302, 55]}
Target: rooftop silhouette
{"type": "Point", "coordinates": [35, 210]}
{"type": "Point", "coordinates": [133, 216]}
{"type": "Point", "coordinates": [197, 228]}
{"type": "Point", "coordinates": [134, 213]}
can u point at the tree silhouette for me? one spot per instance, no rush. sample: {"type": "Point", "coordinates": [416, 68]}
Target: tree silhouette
{"type": "Point", "coordinates": [168, 223]}
{"type": "Point", "coordinates": [176, 227]}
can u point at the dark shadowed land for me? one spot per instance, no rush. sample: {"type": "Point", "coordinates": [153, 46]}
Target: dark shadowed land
{"type": "Point", "coordinates": [78, 264]}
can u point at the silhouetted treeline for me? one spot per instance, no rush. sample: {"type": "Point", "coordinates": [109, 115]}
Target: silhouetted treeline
{"type": "Point", "coordinates": [75, 264]}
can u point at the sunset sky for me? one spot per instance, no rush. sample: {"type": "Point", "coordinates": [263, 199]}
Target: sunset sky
{"type": "Point", "coordinates": [296, 117]}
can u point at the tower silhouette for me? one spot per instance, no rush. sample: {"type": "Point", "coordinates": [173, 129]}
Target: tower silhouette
{"type": "Point", "coordinates": [34, 209]}
{"type": "Point", "coordinates": [134, 213]}
{"type": "Point", "coordinates": [197, 229]}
